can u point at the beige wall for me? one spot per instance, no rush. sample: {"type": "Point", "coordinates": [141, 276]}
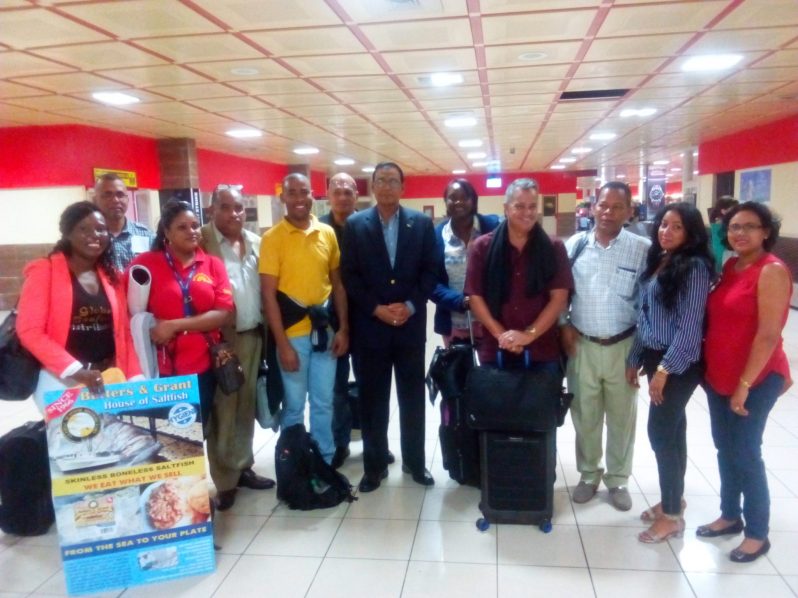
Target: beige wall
{"type": "Point", "coordinates": [30, 216]}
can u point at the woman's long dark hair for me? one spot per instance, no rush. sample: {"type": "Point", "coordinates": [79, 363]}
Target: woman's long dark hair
{"type": "Point", "coordinates": [695, 248]}
{"type": "Point", "coordinates": [70, 218]}
{"type": "Point", "coordinates": [171, 210]}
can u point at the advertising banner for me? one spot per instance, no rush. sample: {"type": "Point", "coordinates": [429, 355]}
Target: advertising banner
{"type": "Point", "coordinates": [129, 487]}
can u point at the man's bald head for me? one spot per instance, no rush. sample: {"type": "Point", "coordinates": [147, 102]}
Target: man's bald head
{"type": "Point", "coordinates": [342, 193]}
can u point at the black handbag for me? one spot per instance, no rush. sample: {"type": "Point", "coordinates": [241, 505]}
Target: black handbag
{"type": "Point", "coordinates": [226, 366]}
{"type": "Point", "coordinates": [448, 371]}
{"type": "Point", "coordinates": [19, 369]}
{"type": "Point", "coordinates": [515, 400]}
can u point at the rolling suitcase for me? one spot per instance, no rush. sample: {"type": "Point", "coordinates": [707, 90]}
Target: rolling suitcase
{"type": "Point", "coordinates": [518, 471]}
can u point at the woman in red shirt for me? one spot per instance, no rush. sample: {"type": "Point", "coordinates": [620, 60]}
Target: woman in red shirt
{"type": "Point", "coordinates": [191, 299]}
{"type": "Point", "coordinates": [742, 386]}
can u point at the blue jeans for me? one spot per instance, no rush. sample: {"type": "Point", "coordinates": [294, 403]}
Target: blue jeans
{"type": "Point", "coordinates": [739, 442]}
{"type": "Point", "coordinates": [314, 379]}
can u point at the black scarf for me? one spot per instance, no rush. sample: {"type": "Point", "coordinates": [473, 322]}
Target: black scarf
{"type": "Point", "coordinates": [538, 254]}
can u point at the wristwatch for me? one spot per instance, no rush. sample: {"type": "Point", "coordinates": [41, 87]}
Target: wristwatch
{"type": "Point", "coordinates": [661, 368]}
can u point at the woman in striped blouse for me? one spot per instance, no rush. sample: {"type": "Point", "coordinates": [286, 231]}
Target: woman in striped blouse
{"type": "Point", "coordinates": [667, 346]}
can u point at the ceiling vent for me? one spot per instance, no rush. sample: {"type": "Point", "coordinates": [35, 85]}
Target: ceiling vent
{"type": "Point", "coordinates": [593, 95]}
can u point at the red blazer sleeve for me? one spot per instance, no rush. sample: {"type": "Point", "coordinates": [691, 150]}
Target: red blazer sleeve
{"type": "Point", "coordinates": [40, 330]}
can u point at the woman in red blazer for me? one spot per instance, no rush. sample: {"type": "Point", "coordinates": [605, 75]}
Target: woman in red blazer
{"type": "Point", "coordinates": [72, 309]}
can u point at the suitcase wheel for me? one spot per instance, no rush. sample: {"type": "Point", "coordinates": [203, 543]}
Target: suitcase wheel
{"type": "Point", "coordinates": [483, 524]}
{"type": "Point", "coordinates": [545, 526]}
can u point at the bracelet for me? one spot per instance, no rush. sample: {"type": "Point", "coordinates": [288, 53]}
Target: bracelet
{"type": "Point", "coordinates": [531, 330]}
{"type": "Point", "coordinates": [661, 369]}
{"type": "Point", "coordinates": [745, 383]}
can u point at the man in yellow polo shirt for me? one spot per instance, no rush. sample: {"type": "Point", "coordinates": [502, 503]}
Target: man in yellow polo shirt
{"type": "Point", "coordinates": [299, 276]}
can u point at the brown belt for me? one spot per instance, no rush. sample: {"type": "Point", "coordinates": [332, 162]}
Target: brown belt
{"type": "Point", "coordinates": [606, 342]}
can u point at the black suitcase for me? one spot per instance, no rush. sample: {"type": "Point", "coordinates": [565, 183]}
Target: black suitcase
{"type": "Point", "coordinates": [459, 443]}
{"type": "Point", "coordinates": [518, 473]}
{"type": "Point", "coordinates": [26, 505]}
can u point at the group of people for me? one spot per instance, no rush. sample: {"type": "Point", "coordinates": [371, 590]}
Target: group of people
{"type": "Point", "coordinates": [354, 286]}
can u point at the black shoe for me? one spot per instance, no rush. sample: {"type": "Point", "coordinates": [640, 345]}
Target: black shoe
{"type": "Point", "coordinates": [704, 531]}
{"type": "Point", "coordinates": [423, 477]}
{"type": "Point", "coordinates": [250, 479]}
{"type": "Point", "coordinates": [341, 453]}
{"type": "Point", "coordinates": [370, 483]}
{"type": "Point", "coordinates": [738, 556]}
{"type": "Point", "coordinates": [225, 499]}
{"type": "Point", "coordinates": [389, 458]}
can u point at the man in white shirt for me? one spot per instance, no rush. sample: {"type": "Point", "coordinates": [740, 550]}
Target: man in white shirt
{"type": "Point", "coordinates": [232, 424]}
{"type": "Point", "coordinates": [607, 263]}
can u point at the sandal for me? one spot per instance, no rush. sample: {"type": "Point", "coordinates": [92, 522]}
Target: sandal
{"type": "Point", "coordinates": [649, 537]}
{"type": "Point", "coordinates": [651, 514]}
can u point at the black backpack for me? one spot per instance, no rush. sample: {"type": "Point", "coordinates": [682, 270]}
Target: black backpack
{"type": "Point", "coordinates": [304, 480]}
{"type": "Point", "coordinates": [26, 506]}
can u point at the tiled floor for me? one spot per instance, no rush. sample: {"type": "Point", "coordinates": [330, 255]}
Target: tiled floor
{"type": "Point", "coordinates": [404, 540]}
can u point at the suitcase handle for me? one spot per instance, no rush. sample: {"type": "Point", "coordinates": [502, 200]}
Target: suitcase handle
{"type": "Point", "coordinates": [500, 359]}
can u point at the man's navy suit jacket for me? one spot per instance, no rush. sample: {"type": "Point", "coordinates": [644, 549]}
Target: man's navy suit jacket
{"type": "Point", "coordinates": [370, 280]}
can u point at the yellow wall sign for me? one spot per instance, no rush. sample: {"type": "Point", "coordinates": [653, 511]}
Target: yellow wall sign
{"type": "Point", "coordinates": [128, 176]}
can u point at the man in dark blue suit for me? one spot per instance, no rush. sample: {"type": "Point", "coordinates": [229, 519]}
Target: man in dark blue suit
{"type": "Point", "coordinates": [389, 269]}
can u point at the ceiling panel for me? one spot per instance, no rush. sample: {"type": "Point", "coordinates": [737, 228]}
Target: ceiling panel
{"type": "Point", "coordinates": [38, 27]}
{"type": "Point", "coordinates": [299, 42]}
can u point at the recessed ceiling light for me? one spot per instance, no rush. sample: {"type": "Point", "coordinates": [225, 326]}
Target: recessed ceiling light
{"type": "Point", "coordinates": [581, 150]}
{"type": "Point", "coordinates": [470, 143]}
{"type": "Point", "coordinates": [620, 176]}
{"type": "Point", "coordinates": [244, 71]}
{"type": "Point", "coordinates": [115, 98]}
{"type": "Point", "coordinates": [445, 79]}
{"type": "Point", "coordinates": [244, 133]}
{"type": "Point", "coordinates": [367, 169]}
{"type": "Point", "coordinates": [558, 166]}
{"type": "Point", "coordinates": [567, 160]}
{"type": "Point", "coordinates": [627, 112]}
{"type": "Point", "coordinates": [479, 164]}
{"type": "Point", "coordinates": [603, 136]}
{"type": "Point", "coordinates": [711, 62]}
{"type": "Point", "coordinates": [695, 172]}
{"type": "Point", "coordinates": [344, 161]}
{"type": "Point", "coordinates": [459, 171]}
{"type": "Point", "coordinates": [676, 169]}
{"type": "Point", "coordinates": [532, 56]}
{"type": "Point", "coordinates": [460, 121]}
{"type": "Point", "coordinates": [306, 151]}
{"type": "Point", "coordinates": [695, 154]}
{"type": "Point", "coordinates": [476, 155]}
{"type": "Point", "coordinates": [661, 162]}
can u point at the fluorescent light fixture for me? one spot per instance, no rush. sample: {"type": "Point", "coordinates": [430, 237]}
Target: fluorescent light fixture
{"type": "Point", "coordinates": [367, 169]}
{"type": "Point", "coordinates": [532, 56]}
{"type": "Point", "coordinates": [344, 162]}
{"type": "Point", "coordinates": [470, 143]}
{"type": "Point", "coordinates": [711, 62]}
{"type": "Point", "coordinates": [603, 136]}
{"type": "Point", "coordinates": [445, 79]}
{"type": "Point", "coordinates": [641, 112]}
{"type": "Point", "coordinates": [244, 133]}
{"type": "Point", "coordinates": [115, 98]}
{"type": "Point", "coordinates": [493, 182]}
{"type": "Point", "coordinates": [244, 71]}
{"type": "Point", "coordinates": [460, 121]}
{"type": "Point", "coordinates": [661, 162]}
{"type": "Point", "coordinates": [306, 151]}
{"type": "Point", "coordinates": [459, 171]}
{"type": "Point", "coordinates": [567, 160]}
{"type": "Point", "coordinates": [558, 166]}
{"type": "Point", "coordinates": [476, 155]}
{"type": "Point", "coordinates": [581, 150]}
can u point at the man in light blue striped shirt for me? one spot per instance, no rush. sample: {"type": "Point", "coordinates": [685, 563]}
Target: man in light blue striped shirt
{"type": "Point", "coordinates": [607, 263]}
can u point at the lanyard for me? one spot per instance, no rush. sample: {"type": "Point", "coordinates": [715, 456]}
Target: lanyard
{"type": "Point", "coordinates": [184, 283]}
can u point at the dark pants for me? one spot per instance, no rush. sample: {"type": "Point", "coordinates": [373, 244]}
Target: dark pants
{"type": "Point", "coordinates": [667, 429]}
{"type": "Point", "coordinates": [374, 387]}
{"type": "Point", "coordinates": [342, 412]}
{"type": "Point", "coordinates": [739, 442]}
{"type": "Point", "coordinates": [206, 386]}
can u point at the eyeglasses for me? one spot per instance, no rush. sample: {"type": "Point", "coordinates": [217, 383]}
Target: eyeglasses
{"type": "Point", "coordinates": [746, 228]}
{"type": "Point", "coordinates": [380, 182]}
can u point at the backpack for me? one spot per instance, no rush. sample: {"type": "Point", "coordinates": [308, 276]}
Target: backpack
{"type": "Point", "coordinates": [304, 480]}
{"type": "Point", "coordinates": [26, 506]}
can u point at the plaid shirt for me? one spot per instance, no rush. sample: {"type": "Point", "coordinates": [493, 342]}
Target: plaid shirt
{"type": "Point", "coordinates": [134, 239]}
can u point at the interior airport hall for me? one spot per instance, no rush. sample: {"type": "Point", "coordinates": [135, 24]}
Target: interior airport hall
{"type": "Point", "coordinates": [683, 100]}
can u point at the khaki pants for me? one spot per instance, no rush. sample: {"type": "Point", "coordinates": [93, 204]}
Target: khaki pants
{"type": "Point", "coordinates": [232, 424]}
{"type": "Point", "coordinates": [596, 376]}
